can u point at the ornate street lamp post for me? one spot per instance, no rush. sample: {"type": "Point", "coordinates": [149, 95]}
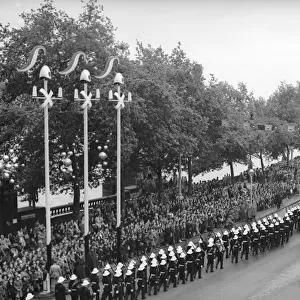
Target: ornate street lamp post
{"type": "Point", "coordinates": [85, 78]}
{"type": "Point", "coordinates": [118, 81]}
{"type": "Point", "coordinates": [45, 74]}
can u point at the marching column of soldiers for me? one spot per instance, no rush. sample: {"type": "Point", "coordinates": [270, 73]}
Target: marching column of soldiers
{"type": "Point", "coordinates": [172, 266]}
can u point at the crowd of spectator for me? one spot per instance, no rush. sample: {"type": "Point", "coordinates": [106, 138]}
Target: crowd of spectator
{"type": "Point", "coordinates": [147, 223]}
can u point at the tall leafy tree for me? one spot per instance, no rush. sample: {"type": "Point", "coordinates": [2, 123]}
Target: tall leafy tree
{"type": "Point", "coordinates": [93, 33]}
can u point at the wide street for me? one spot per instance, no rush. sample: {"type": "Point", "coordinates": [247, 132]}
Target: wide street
{"type": "Point", "coordinates": [272, 275]}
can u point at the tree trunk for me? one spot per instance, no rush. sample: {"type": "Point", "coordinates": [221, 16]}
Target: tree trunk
{"type": "Point", "coordinates": [262, 164]}
{"type": "Point", "coordinates": [190, 177]}
{"type": "Point", "coordinates": [76, 189]}
{"type": "Point", "coordinates": [287, 155]}
{"type": "Point", "coordinates": [231, 171]}
{"type": "Point", "coordinates": [76, 201]}
{"type": "Point", "coordinates": [159, 180]}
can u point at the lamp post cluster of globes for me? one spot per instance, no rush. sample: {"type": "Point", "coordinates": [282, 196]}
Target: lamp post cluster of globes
{"type": "Point", "coordinates": [9, 166]}
{"type": "Point", "coordinates": [66, 168]}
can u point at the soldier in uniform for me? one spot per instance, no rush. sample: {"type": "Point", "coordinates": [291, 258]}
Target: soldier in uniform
{"type": "Point", "coordinates": [144, 262]}
{"type": "Point", "coordinates": [298, 218]}
{"type": "Point", "coordinates": [287, 228]}
{"type": "Point", "coordinates": [153, 277]}
{"type": "Point", "coordinates": [233, 233]}
{"type": "Point", "coordinates": [129, 282]}
{"type": "Point", "coordinates": [245, 245]}
{"type": "Point", "coordinates": [235, 249]}
{"type": "Point", "coordinates": [225, 239]}
{"type": "Point", "coordinates": [163, 275]}
{"type": "Point", "coordinates": [141, 282]}
{"type": "Point", "coordinates": [271, 236]}
{"type": "Point", "coordinates": [117, 285]}
{"type": "Point", "coordinates": [182, 267]}
{"type": "Point", "coordinates": [198, 262]}
{"type": "Point", "coordinates": [219, 253]}
{"type": "Point", "coordinates": [276, 234]}
{"type": "Point", "coordinates": [107, 285]}
{"type": "Point", "coordinates": [255, 241]}
{"type": "Point", "coordinates": [60, 289]}
{"type": "Point", "coordinates": [295, 216]}
{"type": "Point", "coordinates": [95, 282]}
{"type": "Point", "coordinates": [173, 271]}
{"type": "Point", "coordinates": [74, 287]}
{"type": "Point", "coordinates": [84, 292]}
{"type": "Point", "coordinates": [210, 256]}
{"type": "Point", "coordinates": [132, 268]}
{"type": "Point", "coordinates": [281, 232]}
{"type": "Point", "coordinates": [190, 264]}
{"type": "Point", "coordinates": [291, 216]}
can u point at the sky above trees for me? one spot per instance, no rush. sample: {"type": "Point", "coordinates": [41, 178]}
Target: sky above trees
{"type": "Point", "coordinates": [250, 41]}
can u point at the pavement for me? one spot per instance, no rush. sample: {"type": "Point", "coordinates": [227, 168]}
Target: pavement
{"type": "Point", "coordinates": [179, 292]}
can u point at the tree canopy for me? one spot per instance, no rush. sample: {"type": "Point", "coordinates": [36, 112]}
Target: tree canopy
{"type": "Point", "coordinates": [175, 110]}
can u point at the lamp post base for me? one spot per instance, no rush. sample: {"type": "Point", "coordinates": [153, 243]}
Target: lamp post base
{"type": "Point", "coordinates": [119, 256]}
{"type": "Point", "coordinates": [49, 257]}
{"type": "Point", "coordinates": [86, 245]}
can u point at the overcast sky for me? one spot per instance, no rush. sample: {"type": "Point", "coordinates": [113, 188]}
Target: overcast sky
{"type": "Point", "coordinates": [253, 41]}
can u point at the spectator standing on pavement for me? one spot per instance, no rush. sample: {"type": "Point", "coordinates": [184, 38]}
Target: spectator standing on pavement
{"type": "Point", "coordinates": [18, 287]}
{"type": "Point", "coordinates": [79, 269]}
{"type": "Point", "coordinates": [60, 289]}
{"type": "Point", "coordinates": [54, 273]}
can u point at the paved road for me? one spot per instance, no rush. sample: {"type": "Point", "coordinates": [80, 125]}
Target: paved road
{"type": "Point", "coordinates": [271, 275]}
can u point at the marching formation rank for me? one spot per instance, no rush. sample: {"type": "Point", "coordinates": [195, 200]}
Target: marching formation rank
{"type": "Point", "coordinates": [173, 266]}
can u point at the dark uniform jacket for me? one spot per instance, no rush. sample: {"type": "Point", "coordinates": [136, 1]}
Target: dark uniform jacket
{"type": "Point", "coordinates": [60, 291]}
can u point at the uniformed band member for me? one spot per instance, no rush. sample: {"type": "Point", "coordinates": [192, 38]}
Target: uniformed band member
{"type": "Point", "coordinates": [173, 271]}
{"type": "Point", "coordinates": [182, 267]}
{"type": "Point", "coordinates": [245, 245]}
{"type": "Point", "coordinates": [190, 261]}
{"type": "Point", "coordinates": [163, 275]}
{"type": "Point", "coordinates": [235, 246]}
{"type": "Point", "coordinates": [29, 296]}
{"type": "Point", "coordinates": [225, 238]}
{"type": "Point", "coordinates": [198, 262]}
{"type": "Point", "coordinates": [74, 287]}
{"type": "Point", "coordinates": [287, 228]}
{"type": "Point", "coordinates": [60, 289]}
{"type": "Point", "coordinates": [84, 292]}
{"type": "Point", "coordinates": [153, 277]}
{"type": "Point", "coordinates": [141, 282]}
{"type": "Point", "coordinates": [271, 236]}
{"type": "Point", "coordinates": [107, 285]}
{"type": "Point", "coordinates": [129, 283]}
{"type": "Point", "coordinates": [95, 283]}
{"type": "Point", "coordinates": [276, 234]}
{"type": "Point", "coordinates": [117, 285]}
{"type": "Point", "coordinates": [210, 256]}
{"type": "Point", "coordinates": [219, 253]}
{"type": "Point", "coordinates": [255, 241]}
{"type": "Point", "coordinates": [132, 268]}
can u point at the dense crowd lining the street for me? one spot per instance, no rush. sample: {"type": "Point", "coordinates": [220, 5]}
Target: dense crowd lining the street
{"type": "Point", "coordinates": [147, 225]}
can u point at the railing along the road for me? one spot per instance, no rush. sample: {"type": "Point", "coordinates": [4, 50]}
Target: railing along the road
{"type": "Point", "coordinates": [68, 208]}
